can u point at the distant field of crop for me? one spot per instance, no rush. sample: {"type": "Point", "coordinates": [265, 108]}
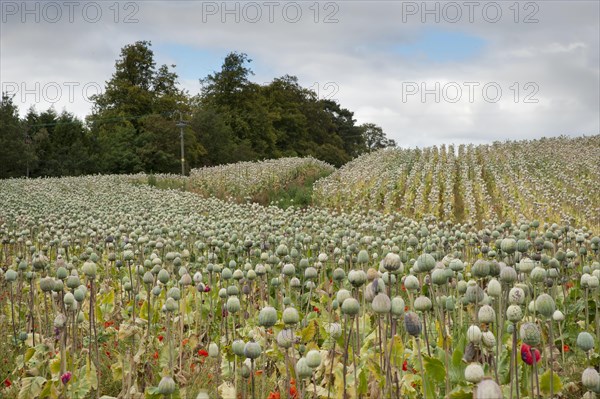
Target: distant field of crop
{"type": "Point", "coordinates": [248, 180]}
{"type": "Point", "coordinates": [556, 180]}
{"type": "Point", "coordinates": [135, 286]}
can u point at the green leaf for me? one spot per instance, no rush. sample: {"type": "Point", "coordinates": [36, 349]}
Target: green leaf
{"type": "Point", "coordinates": [545, 383]}
{"type": "Point", "coordinates": [461, 393]}
{"type": "Point", "coordinates": [434, 369]}
{"type": "Point", "coordinates": [457, 367]}
{"type": "Point", "coordinates": [31, 387]}
{"type": "Point", "coordinates": [504, 367]}
{"type": "Point", "coordinates": [309, 332]}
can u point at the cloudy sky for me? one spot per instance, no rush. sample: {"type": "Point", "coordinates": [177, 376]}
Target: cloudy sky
{"type": "Point", "coordinates": [427, 72]}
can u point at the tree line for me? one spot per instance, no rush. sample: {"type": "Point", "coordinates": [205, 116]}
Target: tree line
{"type": "Point", "coordinates": [133, 124]}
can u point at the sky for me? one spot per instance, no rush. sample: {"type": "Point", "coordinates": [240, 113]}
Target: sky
{"type": "Point", "coordinates": [426, 72]}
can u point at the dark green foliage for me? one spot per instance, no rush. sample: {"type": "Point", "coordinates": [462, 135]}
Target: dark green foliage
{"type": "Point", "coordinates": [132, 127]}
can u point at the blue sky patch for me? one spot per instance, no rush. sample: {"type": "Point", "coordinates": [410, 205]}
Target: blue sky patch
{"type": "Point", "coordinates": [442, 46]}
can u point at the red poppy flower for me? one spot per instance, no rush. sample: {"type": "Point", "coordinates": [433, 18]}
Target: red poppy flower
{"type": "Point", "coordinates": [7, 383]}
{"type": "Point", "coordinates": [566, 348]}
{"type": "Point", "coordinates": [316, 309]}
{"type": "Point", "coordinates": [405, 365]}
{"type": "Point", "coordinates": [202, 353]}
{"type": "Point", "coordinates": [527, 354]}
{"type": "Point", "coordinates": [160, 338]}
{"type": "Point", "coordinates": [155, 356]}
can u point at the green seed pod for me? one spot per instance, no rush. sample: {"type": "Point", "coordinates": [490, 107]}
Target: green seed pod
{"type": "Point", "coordinates": [174, 293]}
{"type": "Point", "coordinates": [488, 339]}
{"type": "Point", "coordinates": [494, 288]}
{"type": "Point", "coordinates": [530, 334]}
{"type": "Point", "coordinates": [166, 386]}
{"type": "Point", "coordinates": [213, 350]}
{"type": "Point", "coordinates": [285, 338]}
{"type": "Point", "coordinates": [439, 277]}
{"type": "Point", "coordinates": [486, 314]}
{"type": "Point", "coordinates": [488, 389]}
{"type": "Point", "coordinates": [245, 371]}
{"type": "Point", "coordinates": [62, 273]}
{"type": "Point", "coordinates": [233, 290]}
{"type": "Point", "coordinates": [481, 268]}
{"type": "Point", "coordinates": [474, 293]}
{"type": "Point", "coordinates": [456, 265]}
{"type": "Point", "coordinates": [60, 320]}
{"type": "Point", "coordinates": [425, 262]}
{"type": "Point", "coordinates": [148, 278]}
{"type": "Point", "coordinates": [79, 295]}
{"type": "Point", "coordinates": [412, 324]}
{"type": "Point", "coordinates": [558, 316]}
{"type": "Point", "coordinates": [363, 257]}
{"type": "Point", "coordinates": [335, 330]}
{"type": "Point", "coordinates": [58, 286]}
{"type": "Point", "coordinates": [516, 296]}
{"type": "Point", "coordinates": [68, 299]}
{"type": "Point", "coordinates": [267, 317]}
{"type": "Point", "coordinates": [46, 284]}
{"type": "Point", "coordinates": [73, 282]}
{"type": "Point", "coordinates": [163, 276]}
{"type": "Point", "coordinates": [381, 304]}
{"type": "Point", "coordinates": [544, 304]}
{"type": "Point", "coordinates": [585, 341]}
{"type": "Point", "coordinates": [290, 316]}
{"type": "Point", "coordinates": [156, 291]}
{"type": "Point", "coordinates": [237, 347]}
{"type": "Point", "coordinates": [342, 295]}
{"type": "Point", "coordinates": [423, 304]}
{"type": "Point", "coordinates": [357, 277]}
{"type": "Point", "coordinates": [590, 378]}
{"type": "Point", "coordinates": [310, 273]}
{"type": "Point", "coordinates": [538, 274]}
{"type": "Point", "coordinates": [526, 265]}
{"type": "Point", "coordinates": [508, 245]}
{"type": "Point", "coordinates": [313, 358]}
{"type": "Point", "coordinates": [170, 305]}
{"type": "Point", "coordinates": [450, 303]}
{"type": "Point", "coordinates": [411, 283]}
{"type": "Point", "coordinates": [223, 293]}
{"type": "Point", "coordinates": [303, 370]}
{"type": "Point", "coordinates": [350, 307]}
{"type": "Point", "coordinates": [474, 334]}
{"type": "Point", "coordinates": [339, 274]}
{"type": "Point", "coordinates": [288, 270]}
{"type": "Point", "coordinates": [252, 350]}
{"type": "Point", "coordinates": [474, 373]}
{"type": "Point", "coordinates": [397, 306]}
{"type": "Point", "coordinates": [89, 269]}
{"type": "Point", "coordinates": [514, 313]}
{"type": "Point", "coordinates": [233, 304]}
{"type": "Point", "coordinates": [392, 263]}
{"type": "Point", "coordinates": [462, 286]}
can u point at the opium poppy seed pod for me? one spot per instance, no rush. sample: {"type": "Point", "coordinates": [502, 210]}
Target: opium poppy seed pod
{"type": "Point", "coordinates": [474, 373]}
{"type": "Point", "coordinates": [488, 389]}
{"type": "Point", "coordinates": [530, 334]}
{"type": "Point", "coordinates": [303, 370]}
{"type": "Point", "coordinates": [585, 341]}
{"type": "Point", "coordinates": [545, 305]}
{"type": "Point", "coordinates": [381, 304]}
{"type": "Point", "coordinates": [350, 307]}
{"type": "Point", "coordinates": [412, 324]}
{"type": "Point", "coordinates": [166, 386]}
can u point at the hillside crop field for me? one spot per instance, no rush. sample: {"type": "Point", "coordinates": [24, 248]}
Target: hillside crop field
{"type": "Point", "coordinates": [445, 272]}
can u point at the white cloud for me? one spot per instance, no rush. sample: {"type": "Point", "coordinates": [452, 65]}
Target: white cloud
{"type": "Point", "coordinates": [558, 56]}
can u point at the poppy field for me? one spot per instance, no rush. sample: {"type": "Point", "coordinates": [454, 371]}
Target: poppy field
{"type": "Point", "coordinates": [400, 281]}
